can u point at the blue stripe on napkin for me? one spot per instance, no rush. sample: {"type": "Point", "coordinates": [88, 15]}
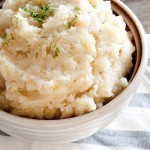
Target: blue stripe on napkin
{"type": "Point", "coordinates": [140, 100]}
{"type": "Point", "coordinates": [116, 138]}
{"type": "Point", "coordinates": [149, 62]}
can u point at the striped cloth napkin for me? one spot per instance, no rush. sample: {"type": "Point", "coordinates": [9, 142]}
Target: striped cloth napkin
{"type": "Point", "coordinates": [130, 131]}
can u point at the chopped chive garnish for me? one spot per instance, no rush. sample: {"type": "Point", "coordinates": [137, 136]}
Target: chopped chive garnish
{"type": "Point", "coordinates": [44, 7]}
{"type": "Point", "coordinates": [7, 39]}
{"type": "Point", "coordinates": [53, 49]}
{"type": "Point", "coordinates": [16, 21]}
{"type": "Point", "coordinates": [71, 23]}
{"type": "Point", "coordinates": [39, 20]}
{"type": "Point", "coordinates": [42, 37]}
{"type": "Point", "coordinates": [42, 14]}
{"type": "Point", "coordinates": [26, 10]}
{"type": "Point", "coordinates": [76, 8]}
{"type": "Point", "coordinates": [57, 51]}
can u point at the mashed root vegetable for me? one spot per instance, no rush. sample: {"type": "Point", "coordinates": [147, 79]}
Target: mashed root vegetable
{"type": "Point", "coordinates": [61, 58]}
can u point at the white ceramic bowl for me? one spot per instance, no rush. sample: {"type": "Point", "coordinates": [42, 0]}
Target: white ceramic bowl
{"type": "Point", "coordinates": [73, 129]}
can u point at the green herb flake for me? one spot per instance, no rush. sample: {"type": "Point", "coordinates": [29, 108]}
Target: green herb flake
{"type": "Point", "coordinates": [71, 23]}
{"type": "Point", "coordinates": [43, 7]}
{"type": "Point", "coordinates": [53, 49]}
{"type": "Point", "coordinates": [39, 20]}
{"type": "Point", "coordinates": [26, 10]}
{"type": "Point", "coordinates": [57, 51]}
{"type": "Point", "coordinates": [35, 15]}
{"type": "Point", "coordinates": [76, 8]}
{"type": "Point", "coordinates": [44, 14]}
{"type": "Point", "coordinates": [16, 21]}
{"type": "Point", "coordinates": [5, 41]}
{"type": "Point", "coordinates": [38, 16]}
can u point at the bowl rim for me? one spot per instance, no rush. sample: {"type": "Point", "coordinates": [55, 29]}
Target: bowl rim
{"type": "Point", "coordinates": [96, 113]}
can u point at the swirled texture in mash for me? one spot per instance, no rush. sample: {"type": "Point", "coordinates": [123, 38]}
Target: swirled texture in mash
{"type": "Point", "coordinates": [61, 58]}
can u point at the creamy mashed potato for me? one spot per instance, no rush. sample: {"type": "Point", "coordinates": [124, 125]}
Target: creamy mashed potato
{"type": "Point", "coordinates": [61, 58]}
